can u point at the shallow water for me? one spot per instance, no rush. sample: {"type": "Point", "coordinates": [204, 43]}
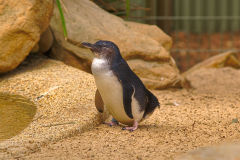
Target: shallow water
{"type": "Point", "coordinates": [16, 113]}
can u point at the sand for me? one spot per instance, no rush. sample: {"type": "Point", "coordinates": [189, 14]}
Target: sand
{"type": "Point", "coordinates": [64, 99]}
{"type": "Point", "coordinates": [204, 116]}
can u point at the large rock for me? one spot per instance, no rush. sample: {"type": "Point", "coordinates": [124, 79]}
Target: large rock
{"type": "Point", "coordinates": [46, 41]}
{"type": "Point", "coordinates": [152, 31]}
{"type": "Point", "coordinates": [22, 23]}
{"type": "Point", "coordinates": [144, 46]}
{"type": "Point", "coordinates": [64, 97]}
{"type": "Point", "coordinates": [228, 59]}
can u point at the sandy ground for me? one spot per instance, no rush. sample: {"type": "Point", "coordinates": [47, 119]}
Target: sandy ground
{"type": "Point", "coordinates": [207, 115]}
{"type": "Point", "coordinates": [64, 99]}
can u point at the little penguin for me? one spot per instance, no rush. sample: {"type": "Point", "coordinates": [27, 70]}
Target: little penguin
{"type": "Point", "coordinates": [118, 87]}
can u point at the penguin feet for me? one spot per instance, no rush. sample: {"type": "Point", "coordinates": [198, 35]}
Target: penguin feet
{"type": "Point", "coordinates": [113, 122]}
{"type": "Point", "coordinates": [133, 128]}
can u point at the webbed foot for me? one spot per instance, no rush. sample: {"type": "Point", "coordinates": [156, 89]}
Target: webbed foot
{"type": "Point", "coordinates": [133, 128]}
{"type": "Point", "coordinates": [113, 122]}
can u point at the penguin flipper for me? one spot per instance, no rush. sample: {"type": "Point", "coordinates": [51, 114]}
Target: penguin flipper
{"type": "Point", "coordinates": [99, 102]}
{"type": "Point", "coordinates": [127, 100]}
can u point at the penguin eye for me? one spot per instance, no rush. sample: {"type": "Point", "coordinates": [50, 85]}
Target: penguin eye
{"type": "Point", "coordinates": [105, 48]}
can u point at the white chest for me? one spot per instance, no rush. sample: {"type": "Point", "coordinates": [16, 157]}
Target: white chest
{"type": "Point", "coordinates": [110, 90]}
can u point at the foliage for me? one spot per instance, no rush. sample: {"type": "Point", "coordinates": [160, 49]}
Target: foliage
{"type": "Point", "coordinates": [62, 19]}
{"type": "Point", "coordinates": [127, 8]}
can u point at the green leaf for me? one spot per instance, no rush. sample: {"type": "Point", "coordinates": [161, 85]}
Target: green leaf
{"type": "Point", "coordinates": [127, 8]}
{"type": "Point", "coordinates": [62, 19]}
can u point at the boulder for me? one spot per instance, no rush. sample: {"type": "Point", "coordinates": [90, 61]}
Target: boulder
{"type": "Point", "coordinates": [152, 31]}
{"type": "Point", "coordinates": [228, 59]}
{"type": "Point", "coordinates": [145, 47]}
{"type": "Point", "coordinates": [22, 23]}
{"type": "Point", "coordinates": [64, 100]}
{"type": "Point", "coordinates": [216, 69]}
{"type": "Point", "coordinates": [46, 41]}
{"type": "Point", "coordinates": [221, 152]}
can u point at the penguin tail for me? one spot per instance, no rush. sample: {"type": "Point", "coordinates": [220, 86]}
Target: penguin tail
{"type": "Point", "coordinates": [152, 103]}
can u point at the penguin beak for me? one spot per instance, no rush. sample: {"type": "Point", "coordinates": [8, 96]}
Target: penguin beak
{"type": "Point", "coordinates": [92, 47]}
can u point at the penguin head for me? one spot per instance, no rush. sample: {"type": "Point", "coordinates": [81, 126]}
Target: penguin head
{"type": "Point", "coordinates": [103, 49]}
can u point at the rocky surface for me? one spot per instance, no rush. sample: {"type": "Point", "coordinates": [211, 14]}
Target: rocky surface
{"type": "Point", "coordinates": [228, 59]}
{"type": "Point", "coordinates": [64, 97]}
{"type": "Point", "coordinates": [46, 41]}
{"type": "Point", "coordinates": [22, 23]}
{"type": "Point", "coordinates": [144, 46]}
{"type": "Point", "coordinates": [152, 31]}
